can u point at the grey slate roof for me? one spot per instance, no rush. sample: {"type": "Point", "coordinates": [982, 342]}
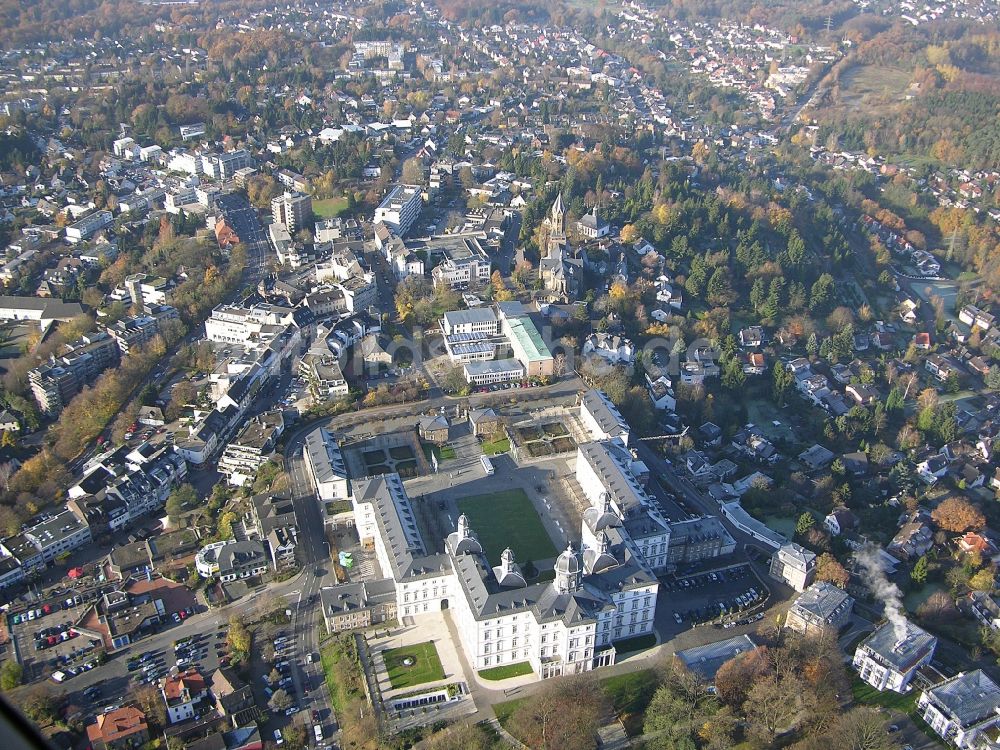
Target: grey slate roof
{"type": "Point", "coordinates": [822, 602]}
{"type": "Point", "coordinates": [913, 648]}
{"type": "Point", "coordinates": [605, 413]}
{"type": "Point", "coordinates": [967, 698]}
{"type": "Point", "coordinates": [475, 315]}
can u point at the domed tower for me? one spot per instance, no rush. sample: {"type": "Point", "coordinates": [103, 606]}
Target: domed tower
{"type": "Point", "coordinates": [599, 558]}
{"type": "Point", "coordinates": [463, 541]}
{"type": "Point", "coordinates": [508, 573]}
{"type": "Point", "coordinates": [568, 571]}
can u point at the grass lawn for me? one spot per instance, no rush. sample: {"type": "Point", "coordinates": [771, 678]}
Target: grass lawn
{"type": "Point", "coordinates": [339, 506]}
{"type": "Point", "coordinates": [639, 643]}
{"type": "Point", "coordinates": [915, 598]}
{"type": "Point", "coordinates": [506, 710]}
{"type": "Point", "coordinates": [496, 447]}
{"type": "Point", "coordinates": [329, 208]}
{"type": "Point", "coordinates": [443, 452]}
{"type": "Point", "coordinates": [508, 518]}
{"type": "Point", "coordinates": [866, 694]}
{"type": "Point", "coordinates": [784, 526]}
{"type": "Point", "coordinates": [426, 666]}
{"type": "Point", "coordinates": [402, 453]}
{"type": "Point", "coordinates": [506, 671]}
{"type": "Point", "coordinates": [376, 456]}
{"type": "Point", "coordinates": [630, 695]}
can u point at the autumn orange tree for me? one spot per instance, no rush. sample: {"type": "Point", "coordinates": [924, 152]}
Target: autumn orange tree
{"type": "Point", "coordinates": [958, 514]}
{"type": "Point", "coordinates": [564, 714]}
{"type": "Point", "coordinates": [829, 569]}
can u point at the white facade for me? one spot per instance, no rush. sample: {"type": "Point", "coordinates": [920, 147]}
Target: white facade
{"type": "Point", "coordinates": [619, 505]}
{"type": "Point", "coordinates": [241, 325]}
{"type": "Point", "coordinates": [58, 535]}
{"type": "Point", "coordinates": [602, 418]}
{"type": "Point", "coordinates": [326, 466]}
{"type": "Point", "coordinates": [888, 660]}
{"type": "Point", "coordinates": [963, 709]}
{"type": "Point", "coordinates": [795, 565]}
{"type": "Point", "coordinates": [400, 208]}
{"type": "Point", "coordinates": [567, 626]}
{"type": "Point", "coordinates": [460, 273]}
{"type": "Point", "coordinates": [88, 226]}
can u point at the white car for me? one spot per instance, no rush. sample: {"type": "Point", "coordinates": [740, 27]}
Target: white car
{"type": "Point", "coordinates": [278, 739]}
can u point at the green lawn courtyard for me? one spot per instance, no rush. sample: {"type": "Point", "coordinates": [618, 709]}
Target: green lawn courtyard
{"type": "Point", "coordinates": [413, 665]}
{"type": "Point", "coordinates": [443, 452]}
{"type": "Point", "coordinates": [495, 447]}
{"type": "Point", "coordinates": [329, 208]}
{"type": "Point", "coordinates": [508, 519]}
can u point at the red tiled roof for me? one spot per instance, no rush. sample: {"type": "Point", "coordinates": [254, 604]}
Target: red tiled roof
{"type": "Point", "coordinates": [173, 686]}
{"type": "Point", "coordinates": [116, 724]}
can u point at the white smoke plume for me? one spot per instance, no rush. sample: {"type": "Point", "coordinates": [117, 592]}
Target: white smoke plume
{"type": "Point", "coordinates": [884, 590]}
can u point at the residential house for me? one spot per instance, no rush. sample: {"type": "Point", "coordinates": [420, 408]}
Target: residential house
{"type": "Point", "coordinates": [433, 429]}
{"type": "Point", "coordinates": [941, 367]}
{"type": "Point", "coordinates": [816, 457]}
{"type": "Point", "coordinates": [914, 538]}
{"type": "Point", "coordinates": [863, 394]}
{"type": "Point", "coordinates": [122, 728]}
{"type": "Point", "coordinates": [710, 434]}
{"type": "Point", "coordinates": [932, 468]}
{"type": "Point", "coordinates": [963, 710]}
{"type": "Point", "coordinates": [181, 692]}
{"type": "Point", "coordinates": [856, 463]}
{"type": "Point", "coordinates": [233, 698]}
{"type": "Point", "coordinates": [793, 564]}
{"type": "Point", "coordinates": [986, 608]}
{"type": "Point", "coordinates": [752, 337]}
{"type": "Point", "coordinates": [754, 363]}
{"type": "Point", "coordinates": [890, 657]}
{"type": "Point", "coordinates": [484, 422]}
{"type": "Point", "coordinates": [840, 521]}
{"type": "Point", "coordinates": [661, 392]}
{"type": "Point", "coordinates": [822, 607]}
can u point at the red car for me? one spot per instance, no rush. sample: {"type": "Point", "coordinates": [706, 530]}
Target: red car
{"type": "Point", "coordinates": [52, 640]}
{"type": "Point", "coordinates": [182, 614]}
{"type": "Point", "coordinates": [47, 609]}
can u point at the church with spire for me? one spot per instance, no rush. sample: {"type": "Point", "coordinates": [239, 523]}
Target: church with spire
{"type": "Point", "coordinates": [560, 268]}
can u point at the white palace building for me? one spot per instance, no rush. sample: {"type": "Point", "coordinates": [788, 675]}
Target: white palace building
{"type": "Point", "coordinates": [601, 594]}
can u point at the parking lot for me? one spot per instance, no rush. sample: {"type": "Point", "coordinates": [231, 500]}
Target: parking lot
{"type": "Point", "coordinates": [727, 597]}
{"type": "Point", "coordinates": [45, 638]}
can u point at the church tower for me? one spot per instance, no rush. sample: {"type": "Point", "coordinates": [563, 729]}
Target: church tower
{"type": "Point", "coordinates": [557, 219]}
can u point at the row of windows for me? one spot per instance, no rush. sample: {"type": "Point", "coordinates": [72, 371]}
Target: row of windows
{"type": "Point", "coordinates": [427, 594]}
{"type": "Point", "coordinates": [415, 609]}
{"type": "Point", "coordinates": [487, 660]}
